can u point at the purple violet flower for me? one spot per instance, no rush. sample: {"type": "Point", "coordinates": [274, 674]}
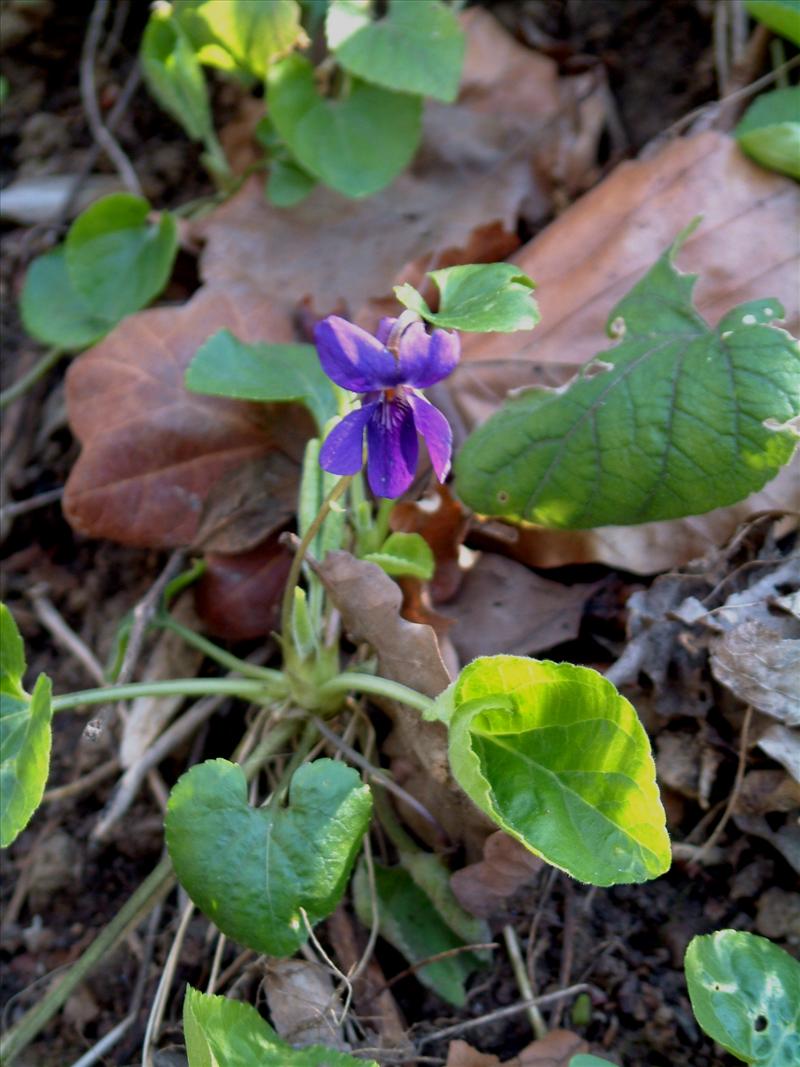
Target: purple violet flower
{"type": "Point", "coordinates": [388, 369]}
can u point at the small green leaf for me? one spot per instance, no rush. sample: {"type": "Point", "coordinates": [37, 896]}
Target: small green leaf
{"type": "Point", "coordinates": [770, 131]}
{"type": "Point", "coordinates": [118, 261]}
{"type": "Point", "coordinates": [782, 16]}
{"type": "Point", "coordinates": [477, 298]}
{"type": "Point", "coordinates": [53, 312]}
{"type": "Point", "coordinates": [413, 48]}
{"type": "Point", "coordinates": [404, 554]}
{"type": "Point", "coordinates": [558, 759]}
{"type": "Point", "coordinates": [745, 994]}
{"type": "Point", "coordinates": [173, 74]}
{"type": "Point", "coordinates": [250, 870]}
{"type": "Point", "coordinates": [356, 144]}
{"type": "Point", "coordinates": [241, 36]}
{"type": "Point", "coordinates": [676, 420]}
{"type": "Point", "coordinates": [409, 922]}
{"type": "Point", "coordinates": [25, 734]}
{"type": "Point", "coordinates": [229, 1033]}
{"type": "Point", "coordinates": [226, 366]}
{"type": "Point", "coordinates": [583, 1059]}
{"type": "Point", "coordinates": [288, 183]}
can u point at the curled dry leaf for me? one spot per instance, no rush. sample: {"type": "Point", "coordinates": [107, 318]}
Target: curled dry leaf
{"type": "Point", "coordinates": [152, 451]}
{"type": "Point", "coordinates": [303, 1004]}
{"type": "Point", "coordinates": [764, 791]}
{"type": "Point", "coordinates": [556, 1049]}
{"type": "Point", "coordinates": [504, 607]}
{"type": "Point", "coordinates": [442, 521]}
{"type": "Point", "coordinates": [239, 596]}
{"type": "Point", "coordinates": [483, 888]}
{"type": "Point", "coordinates": [783, 745]}
{"type": "Point", "coordinates": [588, 258]}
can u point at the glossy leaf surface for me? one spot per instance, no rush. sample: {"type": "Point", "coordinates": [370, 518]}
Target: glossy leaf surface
{"type": "Point", "coordinates": [770, 131]}
{"type": "Point", "coordinates": [404, 554]}
{"type": "Point", "coordinates": [413, 48]}
{"type": "Point", "coordinates": [477, 298]}
{"type": "Point", "coordinates": [558, 759]}
{"type": "Point", "coordinates": [250, 870]}
{"type": "Point", "coordinates": [241, 36]}
{"type": "Point", "coordinates": [782, 16]}
{"type": "Point", "coordinates": [745, 993]}
{"type": "Point", "coordinates": [220, 1032]}
{"type": "Point", "coordinates": [117, 260]}
{"type": "Point", "coordinates": [676, 420]}
{"type": "Point", "coordinates": [226, 366]}
{"type": "Point", "coordinates": [356, 144]}
{"type": "Point", "coordinates": [25, 734]}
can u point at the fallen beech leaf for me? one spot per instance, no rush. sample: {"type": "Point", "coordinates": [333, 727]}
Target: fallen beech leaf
{"type": "Point", "coordinates": [458, 202]}
{"type": "Point", "coordinates": [783, 745]}
{"type": "Point", "coordinates": [504, 607]}
{"type": "Point", "coordinates": [483, 888]}
{"type": "Point", "coordinates": [238, 597]}
{"type": "Point", "coordinates": [151, 450]}
{"type": "Point", "coordinates": [369, 602]}
{"type": "Point", "coordinates": [461, 1054]}
{"type": "Point", "coordinates": [303, 1004]}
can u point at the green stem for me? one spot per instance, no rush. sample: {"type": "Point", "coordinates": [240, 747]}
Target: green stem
{"type": "Point", "coordinates": [385, 508]}
{"type": "Point", "coordinates": [245, 688]}
{"type": "Point", "coordinates": [156, 886]}
{"type": "Point", "coordinates": [297, 562]}
{"type": "Point", "coordinates": [153, 888]}
{"type": "Point", "coordinates": [219, 655]}
{"type": "Point", "coordinates": [37, 371]}
{"type": "Point", "coordinates": [370, 683]}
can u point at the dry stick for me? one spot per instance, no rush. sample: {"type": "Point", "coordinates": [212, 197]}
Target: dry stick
{"type": "Point", "coordinates": [530, 952]}
{"type": "Point", "coordinates": [22, 507]}
{"type": "Point", "coordinates": [437, 956]}
{"type": "Point", "coordinates": [63, 634]}
{"type": "Point", "coordinates": [521, 975]}
{"type": "Point", "coordinates": [216, 963]}
{"type": "Point", "coordinates": [99, 131]}
{"type": "Point", "coordinates": [504, 1013]}
{"type": "Point", "coordinates": [737, 785]}
{"type": "Point", "coordinates": [567, 954]}
{"type": "Point", "coordinates": [82, 785]}
{"type": "Point", "coordinates": [231, 970]}
{"type": "Point", "coordinates": [165, 983]}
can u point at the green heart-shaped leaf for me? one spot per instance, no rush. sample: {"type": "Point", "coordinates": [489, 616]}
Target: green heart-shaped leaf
{"type": "Point", "coordinates": [356, 144]}
{"type": "Point", "coordinates": [241, 36]}
{"type": "Point", "coordinates": [25, 734]}
{"type": "Point", "coordinates": [250, 870]}
{"type": "Point", "coordinates": [117, 260]}
{"type": "Point", "coordinates": [559, 760]}
{"type": "Point", "coordinates": [229, 1033]}
{"type": "Point", "coordinates": [678, 419]}
{"type": "Point", "coordinates": [770, 131]}
{"type": "Point", "coordinates": [478, 298]}
{"type": "Point", "coordinates": [414, 48]}
{"type": "Point", "coordinates": [53, 311]}
{"type": "Point", "coordinates": [745, 993]}
{"type": "Point", "coordinates": [226, 366]}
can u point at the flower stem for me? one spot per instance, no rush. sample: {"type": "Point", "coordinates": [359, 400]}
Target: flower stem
{"type": "Point", "coordinates": [246, 688]}
{"type": "Point", "coordinates": [370, 683]}
{"type": "Point", "coordinates": [302, 548]}
{"type": "Point", "coordinates": [219, 655]}
{"type": "Point", "coordinates": [30, 377]}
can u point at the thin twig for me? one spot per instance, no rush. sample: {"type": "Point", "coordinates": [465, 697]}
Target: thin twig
{"type": "Point", "coordinates": [22, 507]}
{"type": "Point", "coordinates": [82, 785]}
{"type": "Point", "coordinates": [504, 1013]}
{"type": "Point", "coordinates": [99, 131]}
{"type": "Point", "coordinates": [216, 963]}
{"type": "Point", "coordinates": [231, 970]}
{"type": "Point", "coordinates": [567, 952]}
{"type": "Point", "coordinates": [737, 785]}
{"type": "Point", "coordinates": [521, 975]}
{"type": "Point", "coordinates": [164, 986]}
{"type": "Point", "coordinates": [106, 1043]}
{"type": "Point", "coordinates": [31, 376]}
{"type": "Point", "coordinates": [63, 634]}
{"type": "Point", "coordinates": [530, 948]}
{"type": "Point", "coordinates": [435, 958]}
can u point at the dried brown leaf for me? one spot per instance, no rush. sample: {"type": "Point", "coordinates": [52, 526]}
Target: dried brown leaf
{"type": "Point", "coordinates": [483, 888]}
{"type": "Point", "coordinates": [238, 597]}
{"type": "Point", "coordinates": [303, 1004]}
{"type": "Point", "coordinates": [764, 791]}
{"type": "Point", "coordinates": [442, 521]}
{"type": "Point", "coordinates": [556, 1049]}
{"type": "Point", "coordinates": [152, 451]}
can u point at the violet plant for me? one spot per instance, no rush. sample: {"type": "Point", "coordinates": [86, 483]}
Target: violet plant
{"type": "Point", "coordinates": [549, 752]}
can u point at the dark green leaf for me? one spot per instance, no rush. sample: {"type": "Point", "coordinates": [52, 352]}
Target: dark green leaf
{"type": "Point", "coordinates": [116, 259]}
{"type": "Point", "coordinates": [676, 420]}
{"type": "Point", "coordinates": [745, 993]}
{"type": "Point", "coordinates": [288, 183]}
{"type": "Point", "coordinates": [241, 36]}
{"type": "Point", "coordinates": [173, 74]}
{"type": "Point", "coordinates": [250, 870]}
{"type": "Point", "coordinates": [782, 16]}
{"type": "Point", "coordinates": [770, 131]}
{"type": "Point", "coordinates": [413, 48]}
{"type": "Point", "coordinates": [558, 759]}
{"type": "Point", "coordinates": [226, 366]}
{"type": "Point", "coordinates": [410, 923]}
{"type": "Point", "coordinates": [53, 312]}
{"type": "Point", "coordinates": [356, 144]}
{"type": "Point", "coordinates": [477, 298]}
{"type": "Point", "coordinates": [404, 554]}
{"type": "Point", "coordinates": [25, 734]}
{"type": "Point", "coordinates": [229, 1033]}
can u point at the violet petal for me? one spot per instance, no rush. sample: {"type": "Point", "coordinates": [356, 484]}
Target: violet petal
{"type": "Point", "coordinates": [353, 358]}
{"type": "Point", "coordinates": [435, 429]}
{"type": "Point", "coordinates": [384, 329]}
{"type": "Point", "coordinates": [392, 448]}
{"type": "Point", "coordinates": [343, 449]}
{"type": "Point", "coordinates": [427, 358]}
